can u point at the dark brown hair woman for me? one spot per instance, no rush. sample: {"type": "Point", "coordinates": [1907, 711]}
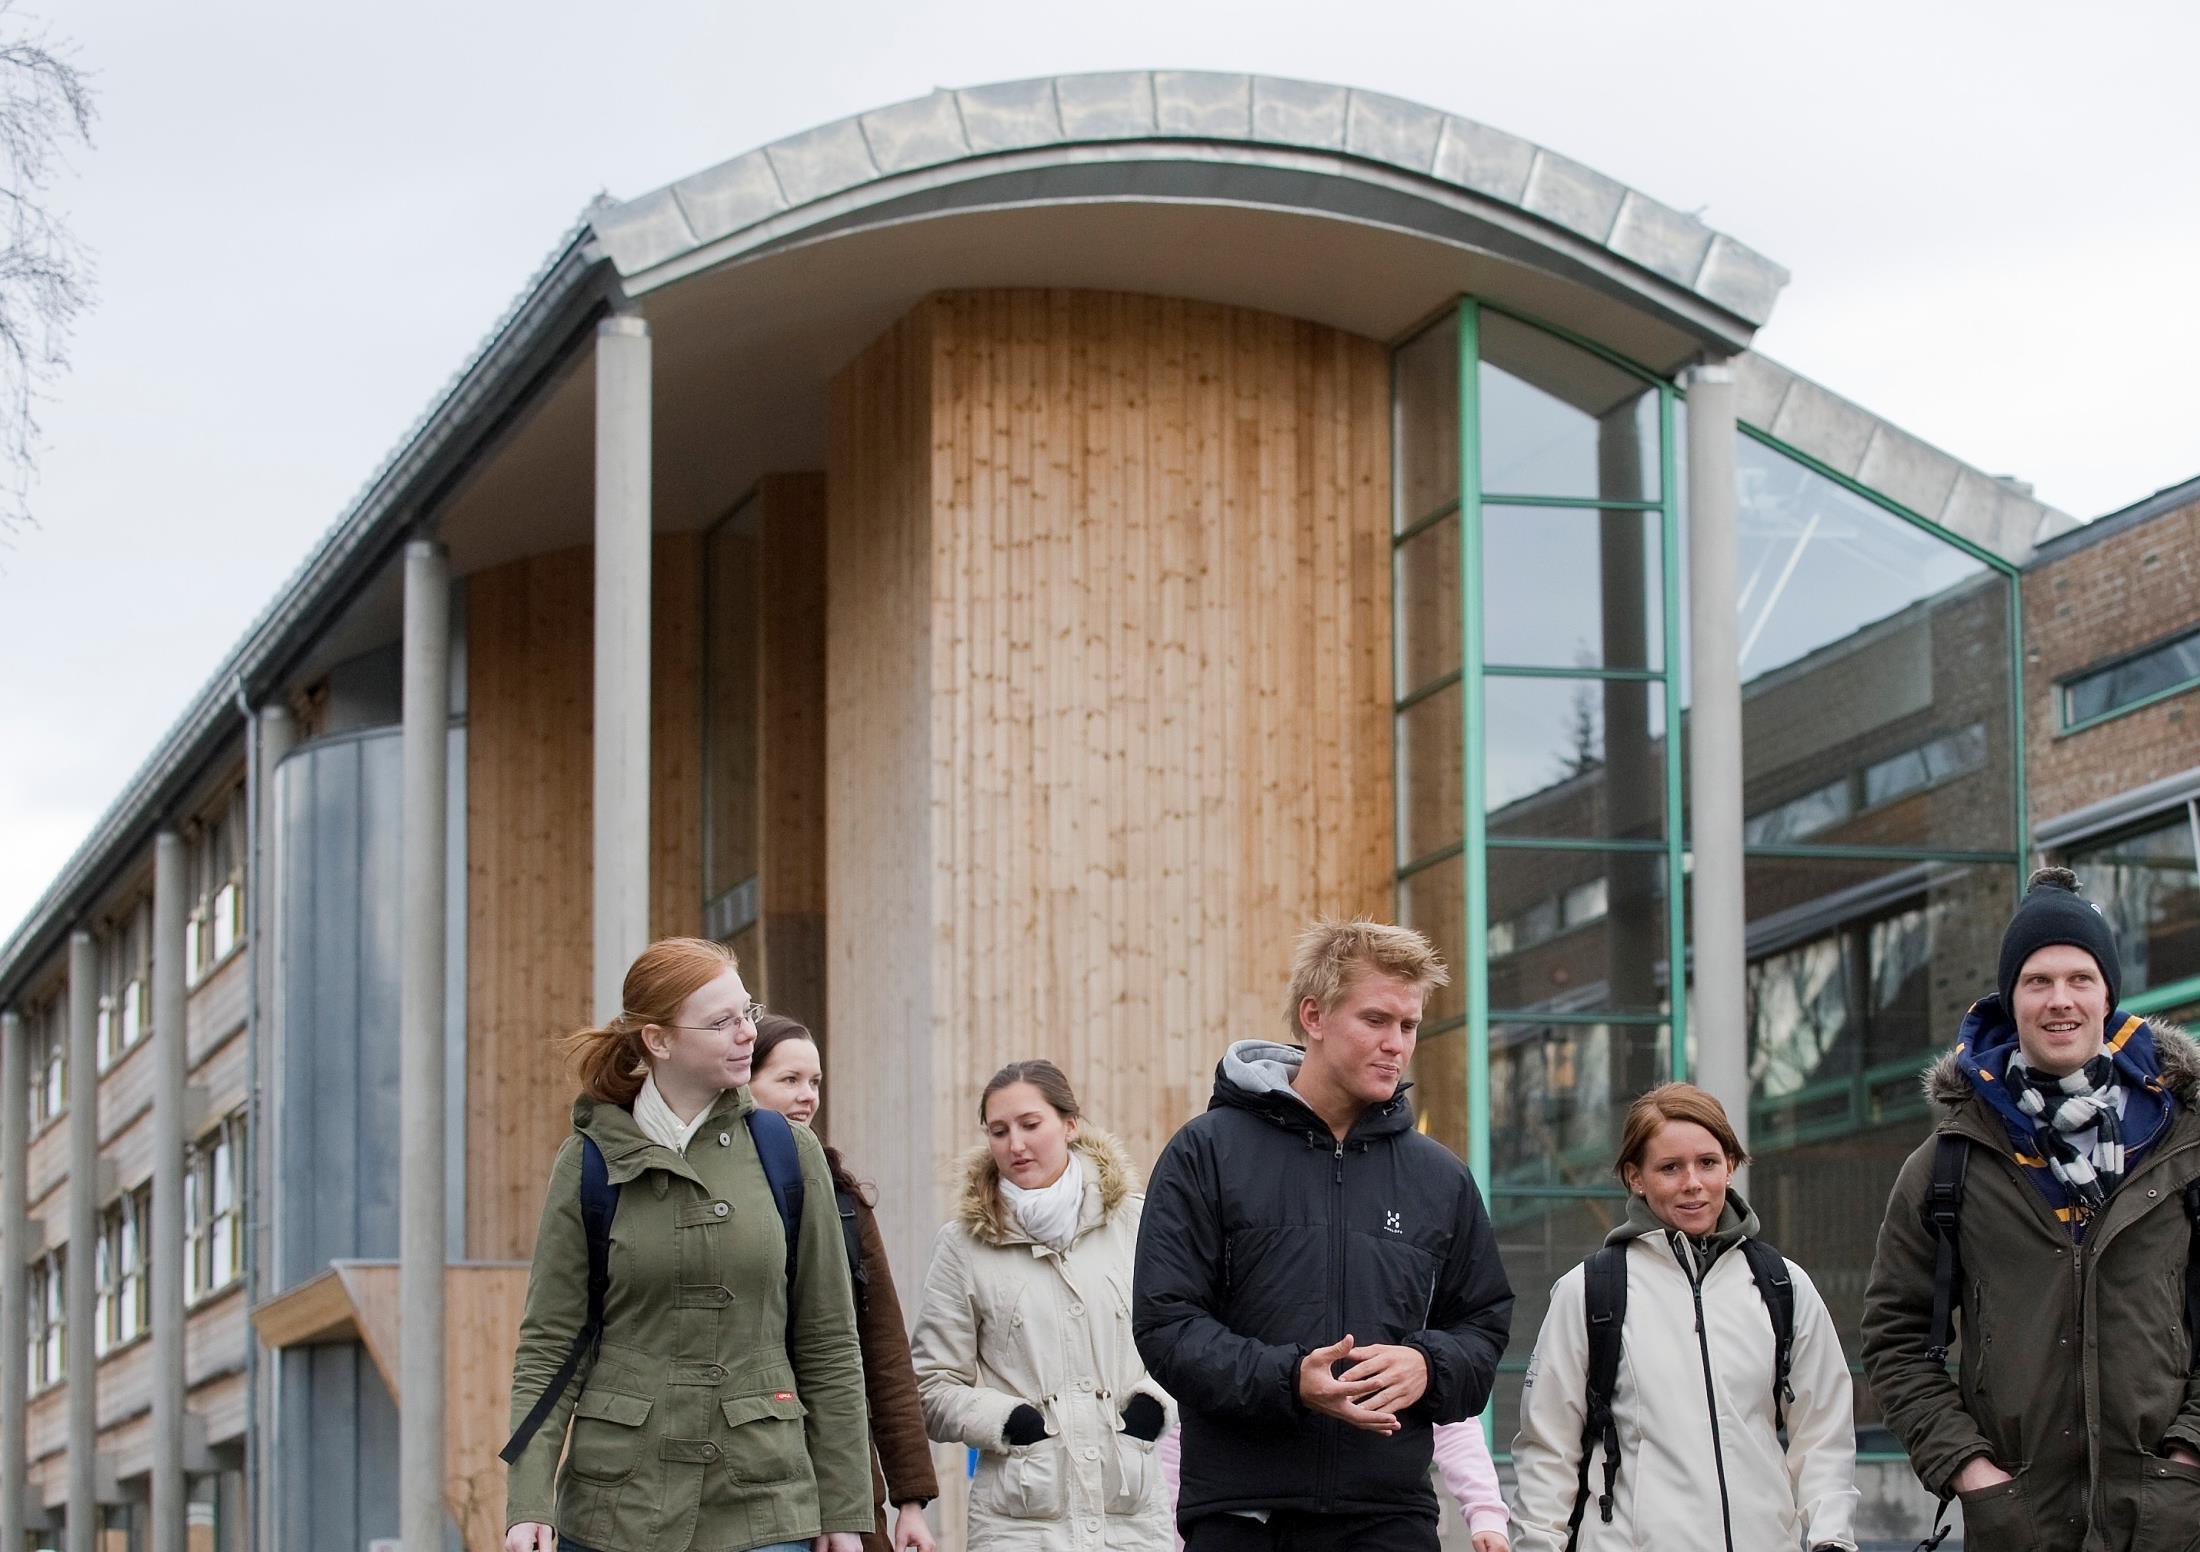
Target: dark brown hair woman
{"type": "Point", "coordinates": [788, 1076]}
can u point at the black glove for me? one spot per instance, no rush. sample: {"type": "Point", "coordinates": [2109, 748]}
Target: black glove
{"type": "Point", "coordinates": [1025, 1425]}
{"type": "Point", "coordinates": [1143, 1418]}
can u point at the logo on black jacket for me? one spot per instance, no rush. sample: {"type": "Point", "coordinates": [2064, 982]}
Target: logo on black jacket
{"type": "Point", "coordinates": [1391, 1224]}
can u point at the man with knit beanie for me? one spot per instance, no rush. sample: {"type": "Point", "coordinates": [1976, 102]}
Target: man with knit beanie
{"type": "Point", "coordinates": [2069, 1132]}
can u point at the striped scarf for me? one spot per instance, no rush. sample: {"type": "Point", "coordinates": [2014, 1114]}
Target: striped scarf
{"type": "Point", "coordinates": [2060, 1108]}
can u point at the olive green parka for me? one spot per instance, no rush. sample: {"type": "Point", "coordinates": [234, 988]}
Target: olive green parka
{"type": "Point", "coordinates": [2075, 1362]}
{"type": "Point", "coordinates": [704, 1422]}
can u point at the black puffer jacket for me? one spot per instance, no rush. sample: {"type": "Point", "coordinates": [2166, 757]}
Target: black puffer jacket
{"type": "Point", "coordinates": [1265, 1238]}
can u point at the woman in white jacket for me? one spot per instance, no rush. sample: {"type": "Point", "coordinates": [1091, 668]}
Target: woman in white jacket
{"type": "Point", "coordinates": [1023, 1346]}
{"type": "Point", "coordinates": [1701, 1464]}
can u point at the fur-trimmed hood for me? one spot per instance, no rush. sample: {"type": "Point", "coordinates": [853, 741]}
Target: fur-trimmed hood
{"type": "Point", "coordinates": [1948, 1084]}
{"type": "Point", "coordinates": [985, 1217]}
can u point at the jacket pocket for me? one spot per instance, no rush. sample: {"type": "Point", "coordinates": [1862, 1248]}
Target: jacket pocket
{"type": "Point", "coordinates": [768, 1442]}
{"type": "Point", "coordinates": [2169, 1506]}
{"type": "Point", "coordinates": [606, 1443]}
{"type": "Point", "coordinates": [1998, 1518]}
{"type": "Point", "coordinates": [1027, 1484]}
{"type": "Point", "coordinates": [1126, 1476]}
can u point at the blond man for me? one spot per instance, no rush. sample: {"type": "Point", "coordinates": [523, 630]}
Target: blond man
{"type": "Point", "coordinates": [1318, 1284]}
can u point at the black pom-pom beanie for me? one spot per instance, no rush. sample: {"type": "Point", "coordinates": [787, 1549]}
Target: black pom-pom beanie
{"type": "Point", "coordinates": [2052, 912]}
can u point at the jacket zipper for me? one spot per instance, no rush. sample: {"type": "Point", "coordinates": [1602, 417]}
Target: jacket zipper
{"type": "Point", "coordinates": [1331, 1434]}
{"type": "Point", "coordinates": [1711, 1396]}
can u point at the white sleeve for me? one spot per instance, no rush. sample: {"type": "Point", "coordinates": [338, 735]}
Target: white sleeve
{"type": "Point", "coordinates": [943, 1349]}
{"type": "Point", "coordinates": [1821, 1450]}
{"type": "Point", "coordinates": [1547, 1450]}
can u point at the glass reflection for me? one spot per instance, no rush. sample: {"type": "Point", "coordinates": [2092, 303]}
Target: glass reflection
{"type": "Point", "coordinates": [1571, 588]}
{"type": "Point", "coordinates": [1425, 571]}
{"type": "Point", "coordinates": [1433, 902]}
{"type": "Point", "coordinates": [1559, 421]}
{"type": "Point", "coordinates": [2148, 884]}
{"type": "Point", "coordinates": [1558, 1093]}
{"type": "Point", "coordinates": [1431, 802]}
{"type": "Point", "coordinates": [1877, 696]}
{"type": "Point", "coordinates": [1574, 758]}
{"type": "Point", "coordinates": [1425, 422]}
{"type": "Point", "coordinates": [1439, 1075]}
{"type": "Point", "coordinates": [1574, 931]}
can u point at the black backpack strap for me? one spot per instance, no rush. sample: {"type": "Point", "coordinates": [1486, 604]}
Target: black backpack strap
{"type": "Point", "coordinates": [851, 1239]}
{"type": "Point", "coordinates": [1943, 1220]}
{"type": "Point", "coordinates": [1776, 1285]}
{"type": "Point", "coordinates": [599, 1203]}
{"type": "Point", "coordinates": [1604, 1307]}
{"type": "Point", "coordinates": [2192, 1270]}
{"type": "Point", "coordinates": [775, 1150]}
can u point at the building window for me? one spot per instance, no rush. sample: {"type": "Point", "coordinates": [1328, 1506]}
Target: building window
{"type": "Point", "coordinates": [213, 1195]}
{"type": "Point", "coordinates": [2146, 881]}
{"type": "Point", "coordinates": [123, 1298]}
{"type": "Point", "coordinates": [2162, 669]}
{"type": "Point", "coordinates": [49, 1060]}
{"type": "Point", "coordinates": [216, 923]}
{"type": "Point", "coordinates": [1939, 760]}
{"type": "Point", "coordinates": [1816, 810]}
{"type": "Point", "coordinates": [48, 1319]}
{"type": "Point", "coordinates": [125, 963]}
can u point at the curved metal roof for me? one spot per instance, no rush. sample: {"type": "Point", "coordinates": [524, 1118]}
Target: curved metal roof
{"type": "Point", "coordinates": [1230, 139]}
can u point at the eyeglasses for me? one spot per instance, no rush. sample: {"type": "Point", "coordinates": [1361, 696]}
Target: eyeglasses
{"type": "Point", "coordinates": [748, 1015]}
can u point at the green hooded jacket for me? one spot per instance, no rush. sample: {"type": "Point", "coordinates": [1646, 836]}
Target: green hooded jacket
{"type": "Point", "coordinates": [2075, 1362]}
{"type": "Point", "coordinates": [703, 1422]}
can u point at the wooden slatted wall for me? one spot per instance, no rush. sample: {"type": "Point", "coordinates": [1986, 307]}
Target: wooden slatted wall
{"type": "Point", "coordinates": [1153, 666]}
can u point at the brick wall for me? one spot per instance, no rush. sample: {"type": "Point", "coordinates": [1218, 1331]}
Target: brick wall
{"type": "Point", "coordinates": [2103, 599]}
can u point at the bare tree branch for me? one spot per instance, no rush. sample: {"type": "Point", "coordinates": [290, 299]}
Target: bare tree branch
{"type": "Point", "coordinates": [46, 274]}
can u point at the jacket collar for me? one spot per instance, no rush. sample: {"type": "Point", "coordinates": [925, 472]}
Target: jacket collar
{"type": "Point", "coordinates": [986, 1218]}
{"type": "Point", "coordinates": [1256, 1075]}
{"type": "Point", "coordinates": [628, 1153]}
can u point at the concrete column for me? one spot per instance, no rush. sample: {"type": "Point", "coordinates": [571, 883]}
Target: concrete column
{"type": "Point", "coordinates": [82, 1363]}
{"type": "Point", "coordinates": [427, 654]}
{"type": "Point", "coordinates": [622, 653]}
{"type": "Point", "coordinates": [166, 1247]}
{"type": "Point", "coordinates": [1721, 1013]}
{"type": "Point", "coordinates": [278, 734]}
{"type": "Point", "coordinates": [14, 1277]}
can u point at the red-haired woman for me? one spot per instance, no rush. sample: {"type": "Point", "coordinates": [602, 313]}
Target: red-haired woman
{"type": "Point", "coordinates": [789, 1077]}
{"type": "Point", "coordinates": [720, 1405]}
{"type": "Point", "coordinates": [1700, 1462]}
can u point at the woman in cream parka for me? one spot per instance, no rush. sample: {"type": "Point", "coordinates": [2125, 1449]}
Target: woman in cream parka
{"type": "Point", "coordinates": [1023, 1346]}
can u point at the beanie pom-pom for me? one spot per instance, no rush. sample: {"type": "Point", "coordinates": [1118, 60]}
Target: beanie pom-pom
{"type": "Point", "coordinates": [2052, 878]}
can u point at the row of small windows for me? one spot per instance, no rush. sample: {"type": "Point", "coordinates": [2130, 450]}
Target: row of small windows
{"type": "Point", "coordinates": [213, 1247]}
{"type": "Point", "coordinates": [2147, 675]}
{"type": "Point", "coordinates": [123, 961]}
{"type": "Point", "coordinates": [1933, 763]}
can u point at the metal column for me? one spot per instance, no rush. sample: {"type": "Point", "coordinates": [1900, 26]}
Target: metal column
{"type": "Point", "coordinates": [427, 668]}
{"type": "Point", "coordinates": [622, 653]}
{"type": "Point", "coordinates": [14, 1278]}
{"type": "Point", "coordinates": [81, 1361]}
{"type": "Point", "coordinates": [166, 1250]}
{"type": "Point", "coordinates": [1721, 1017]}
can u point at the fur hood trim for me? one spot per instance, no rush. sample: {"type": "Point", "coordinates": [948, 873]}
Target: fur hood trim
{"type": "Point", "coordinates": [984, 1216]}
{"type": "Point", "coordinates": [2175, 1052]}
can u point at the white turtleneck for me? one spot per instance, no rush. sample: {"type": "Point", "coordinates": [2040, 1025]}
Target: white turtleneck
{"type": "Point", "coordinates": [660, 1123]}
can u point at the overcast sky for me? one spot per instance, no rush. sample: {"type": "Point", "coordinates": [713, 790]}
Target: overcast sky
{"type": "Point", "coordinates": [307, 216]}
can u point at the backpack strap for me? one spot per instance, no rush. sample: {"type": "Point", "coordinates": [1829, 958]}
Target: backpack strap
{"type": "Point", "coordinates": [1604, 1306]}
{"type": "Point", "coordinates": [1776, 1285]}
{"type": "Point", "coordinates": [599, 1203]}
{"type": "Point", "coordinates": [775, 1150]}
{"type": "Point", "coordinates": [2192, 1270]}
{"type": "Point", "coordinates": [851, 1239]}
{"type": "Point", "coordinates": [1943, 1218]}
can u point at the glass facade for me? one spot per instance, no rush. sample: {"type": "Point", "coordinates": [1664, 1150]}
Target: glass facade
{"type": "Point", "coordinates": [2146, 879]}
{"type": "Point", "coordinates": [1539, 544]}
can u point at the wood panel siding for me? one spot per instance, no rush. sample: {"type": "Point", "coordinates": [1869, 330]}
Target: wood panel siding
{"type": "Point", "coordinates": [879, 774]}
{"type": "Point", "coordinates": [529, 666]}
{"type": "Point", "coordinates": [1109, 717]}
{"type": "Point", "coordinates": [791, 744]}
{"type": "Point", "coordinates": [216, 1008]}
{"type": "Point", "coordinates": [529, 869]}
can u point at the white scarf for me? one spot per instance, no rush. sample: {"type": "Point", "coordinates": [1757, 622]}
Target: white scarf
{"type": "Point", "coordinates": [1050, 1214]}
{"type": "Point", "coordinates": [660, 1123]}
